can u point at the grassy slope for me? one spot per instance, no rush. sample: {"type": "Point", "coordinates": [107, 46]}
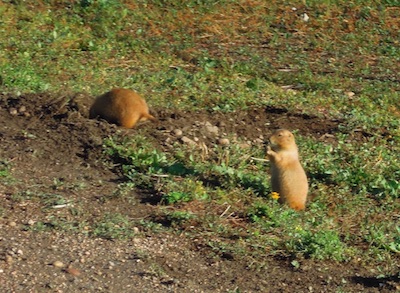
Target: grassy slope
{"type": "Point", "coordinates": [228, 55]}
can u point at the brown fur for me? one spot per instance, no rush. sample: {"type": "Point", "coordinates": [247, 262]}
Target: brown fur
{"type": "Point", "coordinates": [287, 175]}
{"type": "Point", "coordinates": [122, 107]}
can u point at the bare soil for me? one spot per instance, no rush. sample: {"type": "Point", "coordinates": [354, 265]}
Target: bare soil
{"type": "Point", "coordinates": [53, 149]}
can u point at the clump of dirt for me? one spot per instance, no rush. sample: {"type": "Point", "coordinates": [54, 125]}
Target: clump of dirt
{"type": "Point", "coordinates": [53, 149]}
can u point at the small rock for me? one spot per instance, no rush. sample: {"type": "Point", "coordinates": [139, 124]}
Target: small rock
{"type": "Point", "coordinates": [305, 17]}
{"type": "Point", "coordinates": [210, 129]}
{"type": "Point", "coordinates": [58, 264]}
{"type": "Point", "coordinates": [136, 230]}
{"type": "Point", "coordinates": [177, 132]}
{"type": "Point", "coordinates": [350, 94]}
{"type": "Point", "coordinates": [22, 109]}
{"type": "Point", "coordinates": [244, 145]}
{"type": "Point", "coordinates": [223, 141]}
{"type": "Point", "coordinates": [188, 141]}
{"type": "Point", "coordinates": [136, 240]}
{"type": "Point", "coordinates": [73, 271]}
{"type": "Point", "coordinates": [13, 111]}
{"type": "Point", "coordinates": [9, 259]}
{"type": "Point", "coordinates": [31, 222]}
{"type": "Point", "coordinates": [12, 224]}
{"type": "Point", "coordinates": [258, 141]}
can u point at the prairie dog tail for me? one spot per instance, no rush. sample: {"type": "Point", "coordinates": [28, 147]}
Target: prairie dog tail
{"type": "Point", "coordinates": [147, 116]}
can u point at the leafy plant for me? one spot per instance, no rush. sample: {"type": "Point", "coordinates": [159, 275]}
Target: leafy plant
{"type": "Point", "coordinates": [325, 244]}
{"type": "Point", "coordinates": [176, 196]}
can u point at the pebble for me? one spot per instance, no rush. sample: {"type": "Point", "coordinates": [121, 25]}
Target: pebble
{"type": "Point", "coordinates": [305, 17]}
{"type": "Point", "coordinates": [244, 145]}
{"type": "Point", "coordinates": [58, 264]}
{"type": "Point", "coordinates": [258, 141]}
{"type": "Point", "coordinates": [9, 259]}
{"type": "Point", "coordinates": [22, 109]}
{"type": "Point", "coordinates": [73, 271]}
{"type": "Point", "coordinates": [13, 111]}
{"type": "Point", "coordinates": [223, 141]}
{"type": "Point", "coordinates": [31, 222]}
{"type": "Point", "coordinates": [210, 129]}
{"type": "Point", "coordinates": [350, 94]}
{"type": "Point", "coordinates": [167, 141]}
{"type": "Point", "coordinates": [136, 240]}
{"type": "Point", "coordinates": [188, 141]}
{"type": "Point", "coordinates": [136, 230]}
{"type": "Point", "coordinates": [177, 132]}
{"type": "Point", "coordinates": [12, 224]}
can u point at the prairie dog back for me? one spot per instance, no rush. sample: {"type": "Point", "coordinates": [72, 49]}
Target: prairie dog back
{"type": "Point", "coordinates": [123, 107]}
{"type": "Point", "coordinates": [287, 175]}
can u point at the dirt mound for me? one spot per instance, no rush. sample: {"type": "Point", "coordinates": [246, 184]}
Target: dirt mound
{"type": "Point", "coordinates": [55, 155]}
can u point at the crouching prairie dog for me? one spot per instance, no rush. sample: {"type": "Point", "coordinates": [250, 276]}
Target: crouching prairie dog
{"type": "Point", "coordinates": [288, 178]}
{"type": "Point", "coordinates": [122, 107]}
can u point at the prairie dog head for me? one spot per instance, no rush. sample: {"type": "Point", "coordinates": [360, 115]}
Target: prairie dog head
{"type": "Point", "coordinates": [282, 139]}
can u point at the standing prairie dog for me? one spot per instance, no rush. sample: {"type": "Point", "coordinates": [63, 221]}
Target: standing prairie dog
{"type": "Point", "coordinates": [121, 106]}
{"type": "Point", "coordinates": [287, 175]}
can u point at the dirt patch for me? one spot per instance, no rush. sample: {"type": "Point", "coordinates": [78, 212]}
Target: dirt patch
{"type": "Point", "coordinates": [53, 149]}
{"type": "Point", "coordinates": [252, 126]}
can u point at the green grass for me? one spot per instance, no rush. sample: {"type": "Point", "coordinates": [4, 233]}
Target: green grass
{"type": "Point", "coordinates": [227, 56]}
{"type": "Point", "coordinates": [346, 181]}
{"type": "Point", "coordinates": [113, 226]}
{"type": "Point", "coordinates": [4, 170]}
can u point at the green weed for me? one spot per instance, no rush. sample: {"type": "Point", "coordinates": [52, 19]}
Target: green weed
{"type": "Point", "coordinates": [54, 223]}
{"type": "Point", "coordinates": [113, 226]}
{"type": "Point", "coordinates": [178, 218]}
{"type": "Point", "coordinates": [319, 245]}
{"type": "Point", "coordinates": [4, 169]}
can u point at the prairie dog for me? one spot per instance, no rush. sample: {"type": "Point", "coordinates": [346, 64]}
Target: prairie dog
{"type": "Point", "coordinates": [287, 175]}
{"type": "Point", "coordinates": [122, 107]}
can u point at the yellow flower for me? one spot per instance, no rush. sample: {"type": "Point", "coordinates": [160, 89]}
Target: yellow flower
{"type": "Point", "coordinates": [275, 195]}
